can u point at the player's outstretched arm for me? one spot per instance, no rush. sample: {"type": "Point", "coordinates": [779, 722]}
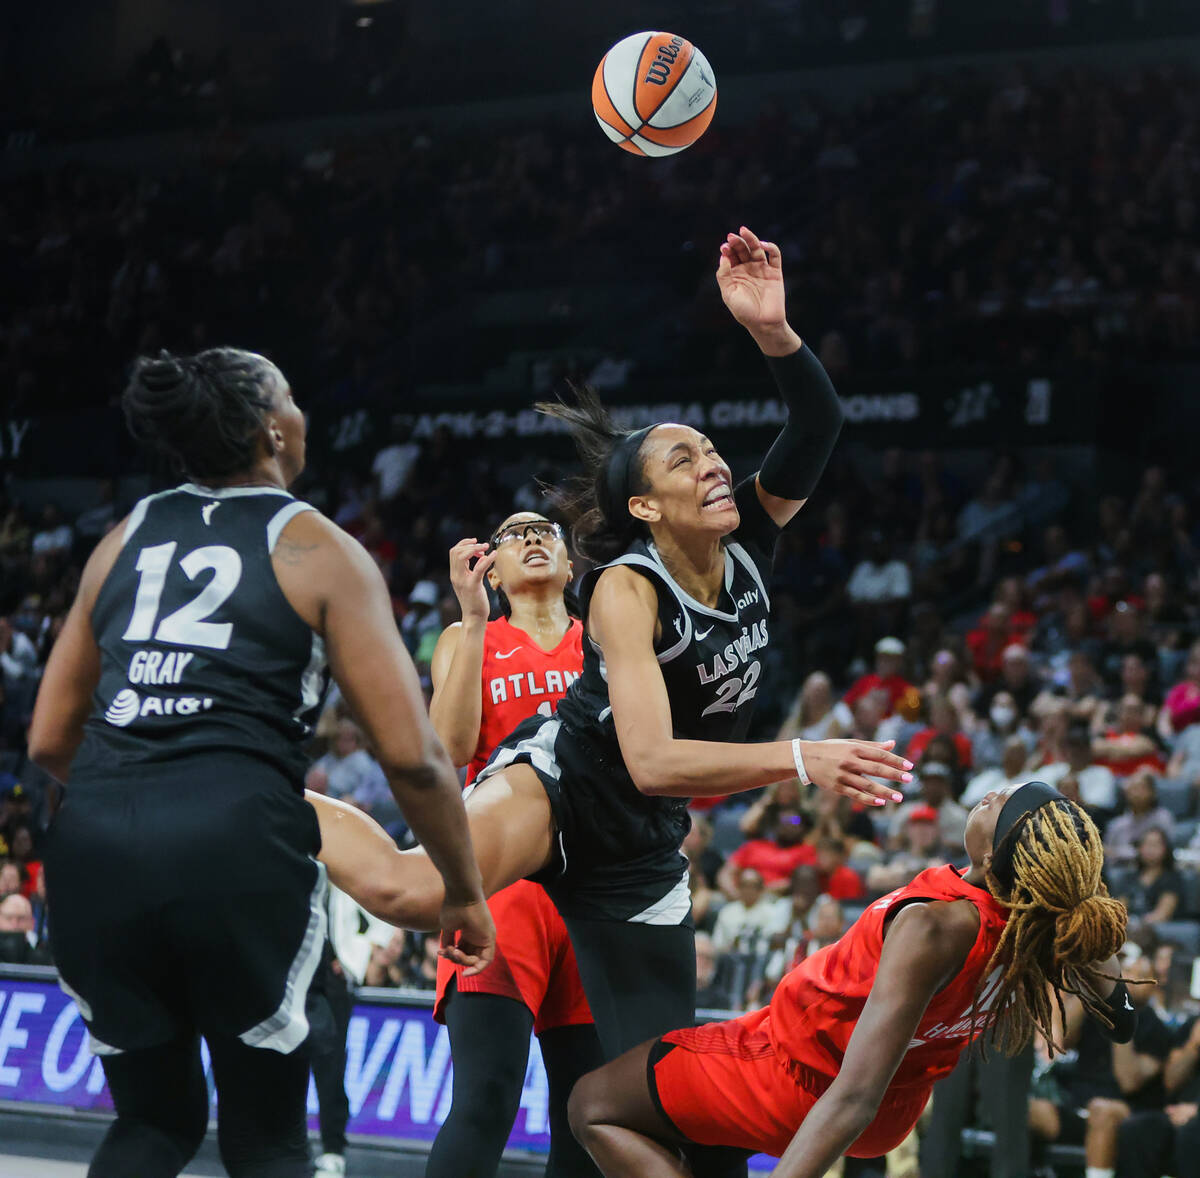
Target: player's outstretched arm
{"type": "Point", "coordinates": [64, 699]}
{"type": "Point", "coordinates": [621, 620]}
{"type": "Point", "coordinates": [457, 705]}
{"type": "Point", "coordinates": [925, 946]}
{"type": "Point", "coordinates": [750, 275]}
{"type": "Point", "coordinates": [336, 588]}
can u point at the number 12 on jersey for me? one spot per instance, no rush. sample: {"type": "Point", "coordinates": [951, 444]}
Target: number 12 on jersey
{"type": "Point", "coordinates": [187, 626]}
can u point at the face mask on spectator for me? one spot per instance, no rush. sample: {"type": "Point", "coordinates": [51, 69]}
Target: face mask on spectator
{"type": "Point", "coordinates": [1002, 715]}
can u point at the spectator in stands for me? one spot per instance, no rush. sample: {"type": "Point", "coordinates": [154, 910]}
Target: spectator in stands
{"type": "Point", "coordinates": [11, 879]}
{"type": "Point", "coordinates": [1016, 678]}
{"type": "Point", "coordinates": [1130, 743]}
{"type": "Point", "coordinates": [1097, 783]}
{"type": "Point", "coordinates": [1166, 1140]}
{"type": "Point", "coordinates": [1080, 694]}
{"type": "Point", "coordinates": [1061, 562]}
{"type": "Point", "coordinates": [709, 994]}
{"type": "Point", "coordinates": [812, 716]}
{"type": "Point", "coordinates": [349, 772]}
{"type": "Point", "coordinates": [1154, 890]}
{"type": "Point", "coordinates": [423, 974]}
{"type": "Point", "coordinates": [943, 721]}
{"type": "Point", "coordinates": [879, 588]}
{"type": "Point", "coordinates": [18, 940]}
{"type": "Point", "coordinates": [703, 858]}
{"type": "Point", "coordinates": [55, 537]}
{"type": "Point", "coordinates": [754, 915]}
{"type": "Point", "coordinates": [772, 859]}
{"type": "Point", "coordinates": [394, 464]}
{"type": "Point", "coordinates": [422, 616]}
{"type": "Point", "coordinates": [1011, 771]}
{"type": "Point", "coordinates": [20, 848]}
{"type": "Point", "coordinates": [1180, 711]}
{"type": "Point", "coordinates": [785, 944]}
{"type": "Point", "coordinates": [919, 847]}
{"type": "Point", "coordinates": [948, 678]}
{"type": "Point", "coordinates": [934, 792]}
{"type": "Point", "coordinates": [989, 640]}
{"type": "Point", "coordinates": [837, 878]}
{"type": "Point", "coordinates": [1093, 1094]}
{"type": "Point", "coordinates": [759, 818]}
{"type": "Point", "coordinates": [19, 665]}
{"type": "Point", "coordinates": [1142, 813]}
{"type": "Point", "coordinates": [1125, 637]}
{"type": "Point", "coordinates": [386, 965]}
{"type": "Point", "coordinates": [839, 817]}
{"type": "Point", "coordinates": [887, 676]}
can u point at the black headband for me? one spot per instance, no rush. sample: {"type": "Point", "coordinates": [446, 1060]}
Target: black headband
{"type": "Point", "coordinates": [1022, 802]}
{"type": "Point", "coordinates": [618, 474]}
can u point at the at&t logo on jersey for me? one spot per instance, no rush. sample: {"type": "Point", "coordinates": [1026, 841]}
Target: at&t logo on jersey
{"type": "Point", "coordinates": [127, 706]}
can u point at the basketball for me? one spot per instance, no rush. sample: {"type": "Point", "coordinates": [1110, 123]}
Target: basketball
{"type": "Point", "coordinates": [654, 94]}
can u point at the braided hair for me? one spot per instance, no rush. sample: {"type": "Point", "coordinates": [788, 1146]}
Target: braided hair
{"type": "Point", "coordinates": [1061, 922]}
{"type": "Point", "coordinates": [202, 412]}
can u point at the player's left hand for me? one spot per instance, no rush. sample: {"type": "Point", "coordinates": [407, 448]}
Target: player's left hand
{"type": "Point", "coordinates": [750, 275]}
{"type": "Point", "coordinates": [468, 936]}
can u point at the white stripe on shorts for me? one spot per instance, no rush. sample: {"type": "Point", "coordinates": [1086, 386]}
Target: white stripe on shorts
{"type": "Point", "coordinates": [287, 1028]}
{"type": "Point", "coordinates": [671, 909]}
{"type": "Point", "coordinates": [539, 748]}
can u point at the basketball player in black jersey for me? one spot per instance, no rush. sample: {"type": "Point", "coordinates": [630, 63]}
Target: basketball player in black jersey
{"type": "Point", "coordinates": [181, 867]}
{"type": "Point", "coordinates": [592, 801]}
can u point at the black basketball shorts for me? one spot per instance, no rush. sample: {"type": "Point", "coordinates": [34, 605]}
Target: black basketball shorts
{"type": "Point", "coordinates": [188, 902]}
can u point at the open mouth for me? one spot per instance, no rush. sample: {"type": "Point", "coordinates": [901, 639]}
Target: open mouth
{"type": "Point", "coordinates": [535, 556]}
{"type": "Point", "coordinates": [719, 498]}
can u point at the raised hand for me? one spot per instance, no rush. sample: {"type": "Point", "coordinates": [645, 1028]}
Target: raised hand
{"type": "Point", "coordinates": [750, 275]}
{"type": "Point", "coordinates": [848, 766]}
{"type": "Point", "coordinates": [467, 582]}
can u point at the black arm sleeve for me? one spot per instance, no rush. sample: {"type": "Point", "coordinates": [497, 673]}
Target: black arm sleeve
{"type": "Point", "coordinates": [1123, 1015]}
{"type": "Point", "coordinates": [797, 457]}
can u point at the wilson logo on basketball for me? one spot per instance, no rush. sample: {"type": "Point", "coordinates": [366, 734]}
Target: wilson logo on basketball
{"type": "Point", "coordinates": [659, 69]}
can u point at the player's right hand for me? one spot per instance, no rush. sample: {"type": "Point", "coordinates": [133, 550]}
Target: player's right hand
{"type": "Point", "coordinates": [467, 581]}
{"type": "Point", "coordinates": [848, 766]}
{"type": "Point", "coordinates": [468, 936]}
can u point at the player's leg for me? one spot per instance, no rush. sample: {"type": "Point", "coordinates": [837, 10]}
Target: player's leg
{"type": "Point", "coordinates": [512, 831]}
{"type": "Point", "coordinates": [262, 1125]}
{"type": "Point", "coordinates": [640, 981]}
{"type": "Point", "coordinates": [489, 1044]}
{"type": "Point", "coordinates": [569, 1053]}
{"type": "Point", "coordinates": [328, 1055]}
{"type": "Point", "coordinates": [615, 1116]}
{"type": "Point", "coordinates": [162, 1111]}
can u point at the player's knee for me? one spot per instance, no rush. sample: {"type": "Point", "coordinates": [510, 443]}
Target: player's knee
{"type": "Point", "coordinates": [1102, 1110]}
{"type": "Point", "coordinates": [585, 1107]}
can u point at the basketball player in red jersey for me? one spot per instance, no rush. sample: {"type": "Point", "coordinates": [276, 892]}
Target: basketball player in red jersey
{"type": "Point", "coordinates": [488, 677]}
{"type": "Point", "coordinates": [843, 1059]}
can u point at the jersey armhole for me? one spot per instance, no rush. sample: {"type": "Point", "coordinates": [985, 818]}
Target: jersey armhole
{"type": "Point", "coordinates": [282, 518]}
{"type": "Point", "coordinates": [648, 569]}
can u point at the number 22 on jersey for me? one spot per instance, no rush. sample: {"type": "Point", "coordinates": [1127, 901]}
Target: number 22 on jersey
{"type": "Point", "coordinates": [188, 625]}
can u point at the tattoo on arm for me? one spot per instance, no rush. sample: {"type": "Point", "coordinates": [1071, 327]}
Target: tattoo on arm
{"type": "Point", "coordinates": [289, 552]}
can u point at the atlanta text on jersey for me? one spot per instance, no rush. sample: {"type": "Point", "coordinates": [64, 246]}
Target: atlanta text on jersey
{"type": "Point", "coordinates": [527, 683]}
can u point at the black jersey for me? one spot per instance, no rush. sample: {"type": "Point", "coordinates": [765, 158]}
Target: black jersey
{"type": "Point", "coordinates": [201, 653]}
{"type": "Point", "coordinates": [711, 657]}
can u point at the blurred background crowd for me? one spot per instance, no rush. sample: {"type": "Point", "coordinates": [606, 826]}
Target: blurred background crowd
{"type": "Point", "coordinates": [1003, 611]}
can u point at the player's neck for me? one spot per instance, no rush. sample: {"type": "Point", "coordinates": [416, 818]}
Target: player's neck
{"type": "Point", "coordinates": [266, 472]}
{"type": "Point", "coordinates": [975, 876]}
{"type": "Point", "coordinates": [543, 617]}
{"type": "Point", "coordinates": [698, 566]}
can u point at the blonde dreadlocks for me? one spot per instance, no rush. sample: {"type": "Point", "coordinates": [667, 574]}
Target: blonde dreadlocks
{"type": "Point", "coordinates": [1061, 923]}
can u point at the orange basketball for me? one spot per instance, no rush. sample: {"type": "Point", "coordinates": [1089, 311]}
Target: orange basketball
{"type": "Point", "coordinates": [654, 94]}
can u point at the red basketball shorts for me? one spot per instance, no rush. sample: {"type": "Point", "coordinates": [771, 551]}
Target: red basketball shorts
{"type": "Point", "coordinates": [534, 962]}
{"type": "Point", "coordinates": [723, 1084]}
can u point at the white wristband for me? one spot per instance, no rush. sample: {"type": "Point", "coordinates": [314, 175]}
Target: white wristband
{"type": "Point", "coordinates": [798, 757]}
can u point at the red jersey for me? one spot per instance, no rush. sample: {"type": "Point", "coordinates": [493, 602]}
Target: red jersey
{"type": "Point", "coordinates": [521, 679]}
{"type": "Point", "coordinates": [895, 685]}
{"type": "Point", "coordinates": [817, 1005]}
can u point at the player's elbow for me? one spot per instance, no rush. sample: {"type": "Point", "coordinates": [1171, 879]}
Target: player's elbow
{"type": "Point", "coordinates": [48, 751]}
{"type": "Point", "coordinates": [649, 773]}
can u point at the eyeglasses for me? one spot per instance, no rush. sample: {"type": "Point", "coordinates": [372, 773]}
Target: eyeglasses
{"type": "Point", "coordinates": [541, 529]}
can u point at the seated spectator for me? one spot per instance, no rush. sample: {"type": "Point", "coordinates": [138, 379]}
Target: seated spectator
{"type": "Point", "coordinates": [707, 902]}
{"type": "Point", "coordinates": [18, 940]}
{"type": "Point", "coordinates": [394, 463]}
{"type": "Point", "coordinates": [709, 995]}
{"type": "Point", "coordinates": [933, 782]}
{"type": "Point", "coordinates": [11, 878]}
{"type": "Point", "coordinates": [1017, 677]}
{"type": "Point", "coordinates": [773, 859]}
{"type": "Point", "coordinates": [1097, 783]}
{"type": "Point", "coordinates": [386, 965]}
{"type": "Point", "coordinates": [1051, 744]}
{"type": "Point", "coordinates": [1011, 771]}
{"type": "Point", "coordinates": [947, 677]}
{"type": "Point", "coordinates": [879, 586]}
{"type": "Point", "coordinates": [989, 640]}
{"type": "Point", "coordinates": [919, 848]}
{"type": "Point", "coordinates": [1125, 637]}
{"type": "Point", "coordinates": [54, 538]}
{"type": "Point", "coordinates": [812, 716]}
{"type": "Point", "coordinates": [1154, 892]}
{"type": "Point", "coordinates": [1142, 813]}
{"type": "Point", "coordinates": [826, 925]}
{"type": "Point", "coordinates": [944, 721]}
{"type": "Point", "coordinates": [1180, 711]}
{"type": "Point", "coordinates": [703, 859]}
{"type": "Point", "coordinates": [1094, 1090]}
{"type": "Point", "coordinates": [423, 615]}
{"type": "Point", "coordinates": [837, 878]}
{"type": "Point", "coordinates": [348, 771]}
{"type": "Point", "coordinates": [1130, 743]}
{"type": "Point", "coordinates": [1081, 693]}
{"type": "Point", "coordinates": [1061, 562]}
{"type": "Point", "coordinates": [887, 676]}
{"type": "Point", "coordinates": [424, 975]}
{"type": "Point", "coordinates": [754, 915]}
{"type": "Point", "coordinates": [802, 896]}
{"type": "Point", "coordinates": [839, 817]}
{"type": "Point", "coordinates": [21, 850]}
{"type": "Point", "coordinates": [760, 816]}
